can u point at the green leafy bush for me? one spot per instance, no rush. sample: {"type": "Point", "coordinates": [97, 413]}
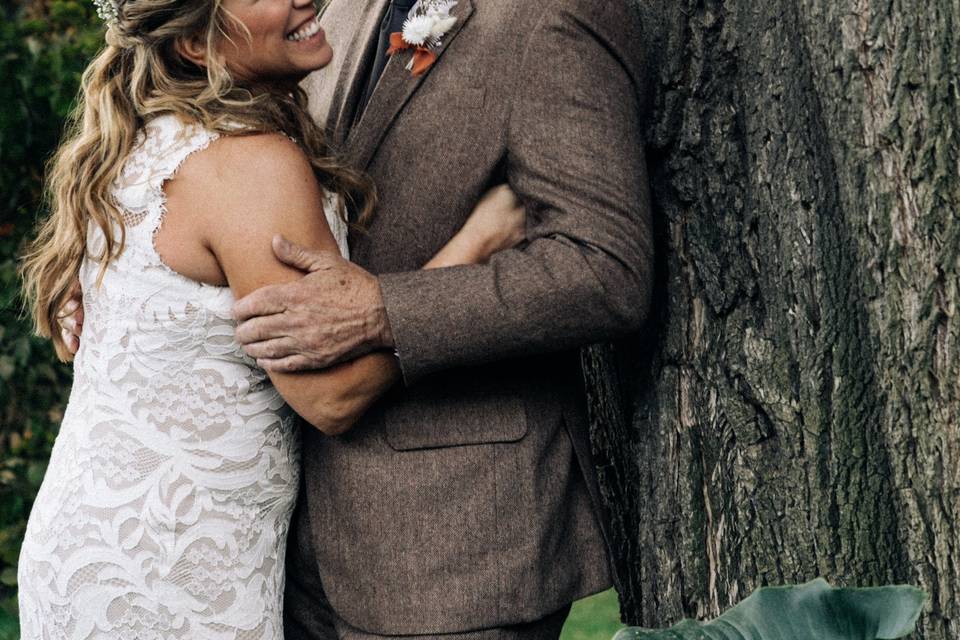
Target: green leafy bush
{"type": "Point", "coordinates": [44, 47]}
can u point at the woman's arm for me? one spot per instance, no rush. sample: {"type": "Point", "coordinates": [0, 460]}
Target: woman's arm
{"type": "Point", "coordinates": [244, 190]}
{"type": "Point", "coordinates": [497, 223]}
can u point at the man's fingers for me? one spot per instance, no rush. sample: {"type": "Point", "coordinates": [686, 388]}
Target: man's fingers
{"type": "Point", "coordinates": [261, 329]}
{"type": "Point", "coordinates": [70, 307]}
{"type": "Point", "coordinates": [71, 341]}
{"type": "Point", "coordinates": [298, 257]}
{"type": "Point", "coordinates": [70, 316]}
{"type": "Point", "coordinates": [72, 323]}
{"type": "Point", "coordinates": [290, 364]}
{"type": "Point", "coordinates": [271, 349]}
{"type": "Point", "coordinates": [262, 302]}
{"type": "Point", "coordinates": [291, 254]}
{"type": "Point", "coordinates": [69, 324]}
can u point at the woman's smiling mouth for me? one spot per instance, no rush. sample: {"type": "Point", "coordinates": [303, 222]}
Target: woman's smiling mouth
{"type": "Point", "coordinates": [310, 29]}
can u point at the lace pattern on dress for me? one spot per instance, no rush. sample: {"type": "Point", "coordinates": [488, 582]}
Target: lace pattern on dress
{"type": "Point", "coordinates": [165, 508]}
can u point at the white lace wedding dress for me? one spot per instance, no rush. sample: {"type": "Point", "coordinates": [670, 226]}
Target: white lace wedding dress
{"type": "Point", "coordinates": [165, 509]}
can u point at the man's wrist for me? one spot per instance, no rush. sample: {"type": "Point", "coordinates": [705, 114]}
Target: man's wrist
{"type": "Point", "coordinates": [386, 333]}
{"type": "Point", "coordinates": [381, 334]}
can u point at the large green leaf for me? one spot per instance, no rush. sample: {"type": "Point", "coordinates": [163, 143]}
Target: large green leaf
{"type": "Point", "coordinates": [812, 611]}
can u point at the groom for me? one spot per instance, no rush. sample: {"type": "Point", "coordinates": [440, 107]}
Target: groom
{"type": "Point", "coordinates": [465, 502]}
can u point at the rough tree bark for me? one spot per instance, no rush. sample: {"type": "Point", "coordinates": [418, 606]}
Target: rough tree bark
{"type": "Point", "coordinates": [793, 407]}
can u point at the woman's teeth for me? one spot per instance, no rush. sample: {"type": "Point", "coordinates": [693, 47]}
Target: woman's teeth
{"type": "Point", "coordinates": [307, 32]}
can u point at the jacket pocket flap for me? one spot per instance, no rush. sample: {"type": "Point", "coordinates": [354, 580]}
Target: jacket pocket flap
{"type": "Point", "coordinates": [427, 422]}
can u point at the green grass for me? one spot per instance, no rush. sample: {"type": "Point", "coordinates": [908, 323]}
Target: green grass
{"type": "Point", "coordinates": [593, 618]}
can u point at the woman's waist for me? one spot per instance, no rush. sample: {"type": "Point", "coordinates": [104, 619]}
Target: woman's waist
{"type": "Point", "coordinates": [118, 440]}
{"type": "Point", "coordinates": [109, 467]}
{"type": "Point", "coordinates": [180, 405]}
{"type": "Point", "coordinates": [179, 356]}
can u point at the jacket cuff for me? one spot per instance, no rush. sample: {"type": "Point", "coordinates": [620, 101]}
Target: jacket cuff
{"type": "Point", "coordinates": [409, 317]}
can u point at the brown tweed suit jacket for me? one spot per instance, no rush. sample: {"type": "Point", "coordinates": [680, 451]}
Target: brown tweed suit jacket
{"type": "Point", "coordinates": [466, 499]}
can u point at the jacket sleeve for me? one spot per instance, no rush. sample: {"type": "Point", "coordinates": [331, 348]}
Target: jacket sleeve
{"type": "Point", "coordinates": [575, 157]}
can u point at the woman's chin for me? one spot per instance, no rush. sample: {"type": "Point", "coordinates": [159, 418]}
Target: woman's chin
{"type": "Point", "coordinates": [296, 65]}
{"type": "Point", "coordinates": [324, 56]}
{"type": "Point", "coordinates": [314, 60]}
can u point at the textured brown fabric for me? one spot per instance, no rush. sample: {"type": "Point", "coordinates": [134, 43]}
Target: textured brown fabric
{"type": "Point", "coordinates": [467, 499]}
{"type": "Point", "coordinates": [548, 628]}
{"type": "Point", "coordinates": [308, 616]}
{"type": "Point", "coordinates": [306, 613]}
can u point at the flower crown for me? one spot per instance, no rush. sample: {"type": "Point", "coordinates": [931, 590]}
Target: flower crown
{"type": "Point", "coordinates": [108, 10]}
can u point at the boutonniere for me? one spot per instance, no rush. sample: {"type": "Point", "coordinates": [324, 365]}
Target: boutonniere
{"type": "Point", "coordinates": [423, 31]}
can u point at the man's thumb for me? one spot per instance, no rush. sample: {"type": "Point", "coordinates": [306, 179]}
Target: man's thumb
{"type": "Point", "coordinates": [293, 254]}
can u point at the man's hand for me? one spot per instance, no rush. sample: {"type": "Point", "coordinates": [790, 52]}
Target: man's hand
{"type": "Point", "coordinates": [334, 313]}
{"type": "Point", "coordinates": [71, 319]}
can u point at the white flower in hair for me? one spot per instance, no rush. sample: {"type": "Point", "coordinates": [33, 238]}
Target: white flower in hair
{"type": "Point", "coordinates": [108, 10]}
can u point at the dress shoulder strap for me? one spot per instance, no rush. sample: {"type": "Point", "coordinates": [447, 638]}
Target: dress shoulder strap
{"type": "Point", "coordinates": [162, 146]}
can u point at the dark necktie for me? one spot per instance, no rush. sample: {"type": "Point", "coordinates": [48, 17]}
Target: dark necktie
{"type": "Point", "coordinates": [392, 22]}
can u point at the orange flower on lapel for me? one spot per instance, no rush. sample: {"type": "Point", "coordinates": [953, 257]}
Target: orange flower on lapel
{"type": "Point", "coordinates": [423, 31]}
{"type": "Point", "coordinates": [423, 58]}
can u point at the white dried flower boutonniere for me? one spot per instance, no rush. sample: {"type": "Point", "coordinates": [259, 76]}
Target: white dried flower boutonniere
{"type": "Point", "coordinates": [423, 31]}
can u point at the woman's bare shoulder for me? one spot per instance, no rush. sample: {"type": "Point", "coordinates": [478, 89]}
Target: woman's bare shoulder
{"type": "Point", "coordinates": [226, 203]}
{"type": "Point", "coordinates": [248, 178]}
{"type": "Point", "coordinates": [248, 163]}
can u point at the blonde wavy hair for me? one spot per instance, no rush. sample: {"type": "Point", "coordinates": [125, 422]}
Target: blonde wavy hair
{"type": "Point", "coordinates": [138, 75]}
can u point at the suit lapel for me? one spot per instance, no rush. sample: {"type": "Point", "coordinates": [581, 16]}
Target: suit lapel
{"type": "Point", "coordinates": [357, 59]}
{"type": "Point", "coordinates": [394, 90]}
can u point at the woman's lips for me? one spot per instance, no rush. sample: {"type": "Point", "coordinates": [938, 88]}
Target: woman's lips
{"type": "Point", "coordinates": [306, 29]}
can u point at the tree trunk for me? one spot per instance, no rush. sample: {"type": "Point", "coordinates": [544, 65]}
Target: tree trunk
{"type": "Point", "coordinates": [791, 409]}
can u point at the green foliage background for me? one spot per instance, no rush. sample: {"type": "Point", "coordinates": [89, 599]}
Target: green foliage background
{"type": "Point", "coordinates": [44, 46]}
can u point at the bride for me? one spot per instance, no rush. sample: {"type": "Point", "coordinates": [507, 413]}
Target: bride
{"type": "Point", "coordinates": [165, 509]}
